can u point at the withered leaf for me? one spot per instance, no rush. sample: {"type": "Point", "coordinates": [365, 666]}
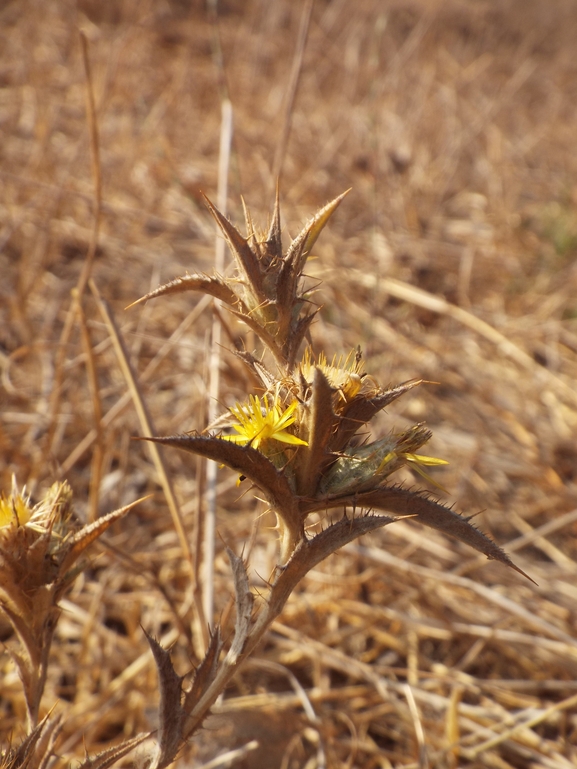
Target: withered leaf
{"type": "Point", "coordinates": [244, 602]}
{"type": "Point", "coordinates": [244, 459]}
{"type": "Point", "coordinates": [246, 259]}
{"type": "Point", "coordinates": [206, 284]}
{"type": "Point", "coordinates": [109, 757]}
{"type": "Point", "coordinates": [80, 541]}
{"type": "Point", "coordinates": [205, 672]}
{"type": "Point", "coordinates": [427, 511]}
{"type": "Point", "coordinates": [170, 711]}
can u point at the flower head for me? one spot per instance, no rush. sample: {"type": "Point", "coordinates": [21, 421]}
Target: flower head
{"type": "Point", "coordinates": [369, 465]}
{"type": "Point", "coordinates": [14, 507]}
{"type": "Point", "coordinates": [345, 375]}
{"type": "Point", "coordinates": [260, 422]}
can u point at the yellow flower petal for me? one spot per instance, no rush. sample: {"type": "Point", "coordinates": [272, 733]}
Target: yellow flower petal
{"type": "Point", "coordinates": [260, 422]}
{"type": "Point", "coordinates": [417, 460]}
{"type": "Point", "coordinates": [420, 459]}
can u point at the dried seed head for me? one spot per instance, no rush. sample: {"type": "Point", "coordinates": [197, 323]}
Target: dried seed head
{"type": "Point", "coordinates": [31, 538]}
{"type": "Point", "coordinates": [345, 375]}
{"type": "Point", "coordinates": [368, 466]}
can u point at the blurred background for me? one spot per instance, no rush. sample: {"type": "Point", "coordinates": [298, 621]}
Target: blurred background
{"type": "Point", "coordinates": [452, 260]}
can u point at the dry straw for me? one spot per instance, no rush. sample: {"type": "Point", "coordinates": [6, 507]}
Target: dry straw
{"type": "Point", "coordinates": [451, 261]}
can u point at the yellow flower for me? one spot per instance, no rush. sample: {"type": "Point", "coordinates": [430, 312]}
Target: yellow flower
{"type": "Point", "coordinates": [416, 460]}
{"type": "Point", "coordinates": [345, 375]}
{"type": "Point", "coordinates": [14, 508]}
{"type": "Point", "coordinates": [258, 423]}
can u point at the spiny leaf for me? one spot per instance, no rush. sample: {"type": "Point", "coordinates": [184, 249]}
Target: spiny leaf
{"type": "Point", "coordinates": [109, 757]}
{"type": "Point", "coordinates": [312, 552]}
{"type": "Point", "coordinates": [428, 512]}
{"type": "Point", "coordinates": [301, 246]}
{"type": "Point", "coordinates": [318, 418]}
{"type": "Point", "coordinates": [206, 284]}
{"type": "Point", "coordinates": [12, 588]}
{"type": "Point", "coordinates": [299, 250]}
{"type": "Point", "coordinates": [295, 338]}
{"type": "Point", "coordinates": [267, 379]}
{"type": "Point", "coordinates": [243, 459]}
{"type": "Point", "coordinates": [341, 533]}
{"type": "Point", "coordinates": [45, 745]}
{"type": "Point", "coordinates": [170, 712]}
{"type": "Point", "coordinates": [26, 755]}
{"type": "Point", "coordinates": [244, 603]}
{"type": "Point", "coordinates": [250, 233]}
{"type": "Point", "coordinates": [22, 624]}
{"type": "Point", "coordinates": [246, 259]}
{"type": "Point", "coordinates": [273, 239]}
{"type": "Point", "coordinates": [263, 335]}
{"type": "Point", "coordinates": [361, 410]}
{"type": "Point", "coordinates": [205, 672]}
{"type": "Point", "coordinates": [80, 541]}
{"type": "Point", "coordinates": [382, 400]}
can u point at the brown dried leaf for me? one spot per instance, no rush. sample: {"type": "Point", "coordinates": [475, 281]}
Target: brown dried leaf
{"type": "Point", "coordinates": [244, 459]}
{"type": "Point", "coordinates": [205, 672]}
{"type": "Point", "coordinates": [170, 712]}
{"type": "Point", "coordinates": [428, 512]}
{"type": "Point", "coordinates": [109, 757]}
{"type": "Point", "coordinates": [80, 541]}
{"type": "Point", "coordinates": [206, 284]}
{"type": "Point", "coordinates": [244, 602]}
{"type": "Point", "coordinates": [246, 259]}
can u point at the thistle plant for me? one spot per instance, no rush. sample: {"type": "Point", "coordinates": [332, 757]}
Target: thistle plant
{"type": "Point", "coordinates": [40, 556]}
{"type": "Point", "coordinates": [301, 441]}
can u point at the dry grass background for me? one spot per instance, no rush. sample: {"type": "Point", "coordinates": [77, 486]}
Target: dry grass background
{"type": "Point", "coordinates": [453, 259]}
